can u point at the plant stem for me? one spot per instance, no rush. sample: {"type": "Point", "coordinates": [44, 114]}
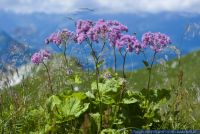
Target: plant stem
{"type": "Point", "coordinates": [124, 62]}
{"type": "Point", "coordinates": [95, 58]}
{"type": "Point", "coordinates": [150, 70]}
{"type": "Point", "coordinates": [49, 78]}
{"type": "Point", "coordinates": [96, 61]}
{"type": "Point", "coordinates": [117, 108]}
{"type": "Point", "coordinates": [64, 53]}
{"type": "Point", "coordinates": [115, 59]}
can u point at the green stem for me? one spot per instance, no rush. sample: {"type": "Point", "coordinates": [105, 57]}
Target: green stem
{"type": "Point", "coordinates": [96, 61]}
{"type": "Point", "coordinates": [117, 108]}
{"type": "Point", "coordinates": [49, 78]}
{"type": "Point", "coordinates": [64, 53]}
{"type": "Point", "coordinates": [115, 59]}
{"type": "Point", "coordinates": [124, 62]}
{"type": "Point", "coordinates": [150, 70]}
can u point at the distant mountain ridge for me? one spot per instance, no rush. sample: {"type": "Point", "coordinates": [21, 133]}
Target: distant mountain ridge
{"type": "Point", "coordinates": [12, 52]}
{"type": "Point", "coordinates": [32, 29]}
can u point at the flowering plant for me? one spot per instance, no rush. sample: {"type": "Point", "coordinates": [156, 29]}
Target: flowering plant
{"type": "Point", "coordinates": [108, 89]}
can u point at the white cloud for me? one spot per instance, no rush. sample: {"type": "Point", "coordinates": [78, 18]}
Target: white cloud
{"type": "Point", "coordinates": [101, 6]}
{"type": "Point", "coordinates": [46, 6]}
{"type": "Point", "coordinates": [150, 6]}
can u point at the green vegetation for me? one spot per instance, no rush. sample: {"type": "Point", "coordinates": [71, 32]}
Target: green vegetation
{"type": "Point", "coordinates": [60, 97]}
{"type": "Point", "coordinates": [168, 73]}
{"type": "Point", "coordinates": [125, 105]}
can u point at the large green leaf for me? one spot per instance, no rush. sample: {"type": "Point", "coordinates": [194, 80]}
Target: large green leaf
{"type": "Point", "coordinates": [108, 91]}
{"type": "Point", "coordinates": [79, 95]}
{"type": "Point", "coordinates": [52, 102]}
{"type": "Point", "coordinates": [130, 100]}
{"type": "Point", "coordinates": [72, 107]}
{"type": "Point", "coordinates": [110, 85]}
{"type": "Point", "coordinates": [90, 95]}
{"type": "Point", "coordinates": [131, 97]}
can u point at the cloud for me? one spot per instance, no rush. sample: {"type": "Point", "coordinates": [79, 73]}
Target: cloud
{"type": "Point", "coordinates": [101, 6]}
{"type": "Point", "coordinates": [150, 6]}
{"type": "Point", "coordinates": [46, 6]}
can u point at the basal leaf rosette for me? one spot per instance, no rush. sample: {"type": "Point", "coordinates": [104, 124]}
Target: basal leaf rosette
{"type": "Point", "coordinates": [108, 93]}
{"type": "Point", "coordinates": [67, 108]}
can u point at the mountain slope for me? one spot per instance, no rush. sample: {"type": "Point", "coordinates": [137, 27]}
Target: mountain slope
{"type": "Point", "coordinates": [12, 52]}
{"type": "Point", "coordinates": [168, 73]}
{"type": "Point", "coordinates": [164, 75]}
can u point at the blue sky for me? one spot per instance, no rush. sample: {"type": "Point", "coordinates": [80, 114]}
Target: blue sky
{"type": "Point", "coordinates": [101, 6]}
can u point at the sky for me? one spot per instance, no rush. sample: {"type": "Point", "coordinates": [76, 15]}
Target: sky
{"type": "Point", "coordinates": [100, 6]}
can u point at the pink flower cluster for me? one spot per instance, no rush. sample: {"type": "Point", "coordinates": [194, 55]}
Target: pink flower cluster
{"type": "Point", "coordinates": [82, 28]}
{"type": "Point", "coordinates": [156, 41]}
{"type": "Point", "coordinates": [101, 29]}
{"type": "Point", "coordinates": [129, 42]}
{"type": "Point", "coordinates": [59, 37]}
{"type": "Point", "coordinates": [40, 56]}
{"type": "Point", "coordinates": [113, 32]}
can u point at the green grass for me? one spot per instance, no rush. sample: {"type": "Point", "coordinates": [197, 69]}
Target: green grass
{"type": "Point", "coordinates": [163, 76]}
{"type": "Point", "coordinates": [33, 91]}
{"type": "Point", "coordinates": [167, 75]}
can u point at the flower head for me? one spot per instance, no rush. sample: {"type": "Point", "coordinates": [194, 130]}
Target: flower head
{"type": "Point", "coordinates": [59, 37]}
{"type": "Point", "coordinates": [40, 56]}
{"type": "Point", "coordinates": [157, 41]}
{"type": "Point", "coordinates": [129, 42]}
{"type": "Point", "coordinates": [82, 28]}
{"type": "Point", "coordinates": [37, 58]}
{"type": "Point", "coordinates": [118, 26]}
{"type": "Point", "coordinates": [115, 32]}
{"type": "Point", "coordinates": [99, 30]}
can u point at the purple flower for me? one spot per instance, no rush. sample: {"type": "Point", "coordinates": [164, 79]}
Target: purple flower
{"type": "Point", "coordinates": [113, 36]}
{"type": "Point", "coordinates": [98, 31]}
{"type": "Point", "coordinates": [129, 42]}
{"type": "Point", "coordinates": [82, 28]}
{"type": "Point", "coordinates": [40, 56]}
{"type": "Point", "coordinates": [60, 37]}
{"type": "Point", "coordinates": [157, 41]}
{"type": "Point", "coordinates": [101, 29]}
{"type": "Point", "coordinates": [45, 54]}
{"type": "Point", "coordinates": [115, 32]}
{"type": "Point", "coordinates": [37, 58]}
{"type": "Point", "coordinates": [118, 26]}
{"type": "Point", "coordinates": [80, 38]}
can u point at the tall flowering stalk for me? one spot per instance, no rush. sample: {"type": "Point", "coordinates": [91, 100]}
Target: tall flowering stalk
{"type": "Point", "coordinates": [157, 42]}
{"type": "Point", "coordinates": [61, 38]}
{"type": "Point", "coordinates": [125, 44]}
{"type": "Point", "coordinates": [105, 32]}
{"type": "Point", "coordinates": [93, 33]}
{"type": "Point", "coordinates": [114, 34]}
{"type": "Point", "coordinates": [39, 58]}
